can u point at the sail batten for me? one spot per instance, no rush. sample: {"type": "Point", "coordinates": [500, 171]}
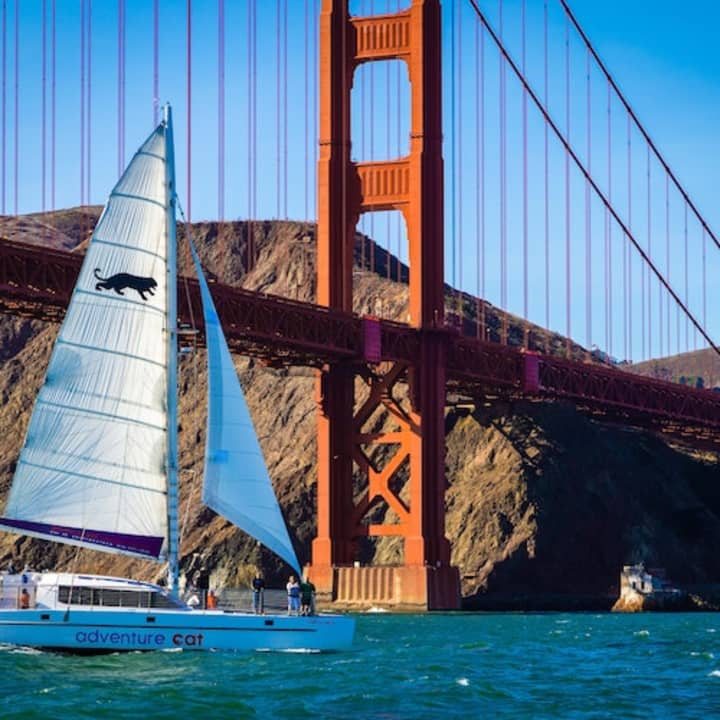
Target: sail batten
{"type": "Point", "coordinates": [237, 484]}
{"type": "Point", "coordinates": [92, 469]}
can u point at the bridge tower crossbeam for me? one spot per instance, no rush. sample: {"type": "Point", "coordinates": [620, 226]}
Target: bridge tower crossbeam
{"type": "Point", "coordinates": [412, 185]}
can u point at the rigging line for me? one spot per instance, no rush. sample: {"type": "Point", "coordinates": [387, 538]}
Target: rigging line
{"type": "Point", "coordinates": [398, 129]}
{"type": "Point", "coordinates": [635, 119]}
{"type": "Point", "coordinates": [594, 185]}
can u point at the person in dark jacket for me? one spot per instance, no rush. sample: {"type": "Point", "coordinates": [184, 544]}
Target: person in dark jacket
{"type": "Point", "coordinates": [258, 589]}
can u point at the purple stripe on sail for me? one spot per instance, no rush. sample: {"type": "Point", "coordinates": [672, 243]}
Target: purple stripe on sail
{"type": "Point", "coordinates": [138, 544]}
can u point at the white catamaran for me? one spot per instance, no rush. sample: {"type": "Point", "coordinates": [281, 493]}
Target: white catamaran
{"type": "Point", "coordinates": [99, 465]}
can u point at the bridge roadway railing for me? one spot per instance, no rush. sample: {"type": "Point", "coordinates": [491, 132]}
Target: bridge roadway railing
{"type": "Point", "coordinates": [37, 282]}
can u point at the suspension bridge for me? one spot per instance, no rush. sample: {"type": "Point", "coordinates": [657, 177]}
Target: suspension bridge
{"type": "Point", "coordinates": [498, 169]}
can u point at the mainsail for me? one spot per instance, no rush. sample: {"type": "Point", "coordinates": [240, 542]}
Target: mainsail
{"type": "Point", "coordinates": [92, 471]}
{"type": "Point", "coordinates": [237, 484]}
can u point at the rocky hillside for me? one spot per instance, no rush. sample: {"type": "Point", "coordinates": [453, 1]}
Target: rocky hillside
{"type": "Point", "coordinates": [543, 505]}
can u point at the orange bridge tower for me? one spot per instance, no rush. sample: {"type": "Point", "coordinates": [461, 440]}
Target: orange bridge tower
{"type": "Point", "coordinates": [409, 481]}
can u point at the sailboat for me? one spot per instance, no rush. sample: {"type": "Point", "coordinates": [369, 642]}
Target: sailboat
{"type": "Point", "coordinates": [99, 466]}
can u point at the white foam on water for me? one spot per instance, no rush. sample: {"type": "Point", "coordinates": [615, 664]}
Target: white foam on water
{"type": "Point", "coordinates": [463, 681]}
{"type": "Point", "coordinates": [641, 633]}
{"type": "Point", "coordinates": [375, 609]}
{"type": "Point", "coordinates": [714, 673]}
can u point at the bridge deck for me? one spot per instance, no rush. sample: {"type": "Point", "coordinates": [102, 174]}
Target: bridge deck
{"type": "Point", "coordinates": [37, 282]}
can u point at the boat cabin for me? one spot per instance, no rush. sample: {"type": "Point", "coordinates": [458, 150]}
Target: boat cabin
{"type": "Point", "coordinates": [57, 591]}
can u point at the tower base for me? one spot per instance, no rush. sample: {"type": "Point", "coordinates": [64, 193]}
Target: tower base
{"type": "Point", "coordinates": [405, 588]}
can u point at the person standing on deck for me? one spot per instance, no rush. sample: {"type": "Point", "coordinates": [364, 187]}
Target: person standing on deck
{"type": "Point", "coordinates": [203, 585]}
{"type": "Point", "coordinates": [307, 597]}
{"type": "Point", "coordinates": [258, 589]}
{"type": "Point", "coordinates": [293, 591]}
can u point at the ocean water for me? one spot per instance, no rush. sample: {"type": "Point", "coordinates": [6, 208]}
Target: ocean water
{"type": "Point", "coordinates": [412, 667]}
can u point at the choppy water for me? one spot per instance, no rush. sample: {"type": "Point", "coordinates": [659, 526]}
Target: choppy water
{"type": "Point", "coordinates": [404, 667]}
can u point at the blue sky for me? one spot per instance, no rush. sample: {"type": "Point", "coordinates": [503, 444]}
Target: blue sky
{"type": "Point", "coordinates": [663, 60]}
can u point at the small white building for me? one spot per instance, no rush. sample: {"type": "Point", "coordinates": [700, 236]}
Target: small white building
{"type": "Point", "coordinates": [650, 581]}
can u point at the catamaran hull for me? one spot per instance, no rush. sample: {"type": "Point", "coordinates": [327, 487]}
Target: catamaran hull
{"type": "Point", "coordinates": [89, 631]}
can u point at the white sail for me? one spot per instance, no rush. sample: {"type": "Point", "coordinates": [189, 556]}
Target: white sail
{"type": "Point", "coordinates": [237, 484]}
{"type": "Point", "coordinates": [92, 470]}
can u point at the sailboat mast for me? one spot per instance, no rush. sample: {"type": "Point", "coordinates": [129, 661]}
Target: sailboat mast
{"type": "Point", "coordinates": [171, 336]}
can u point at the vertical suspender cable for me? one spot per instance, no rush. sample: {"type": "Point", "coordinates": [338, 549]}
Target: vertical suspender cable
{"type": "Point", "coordinates": [546, 169]}
{"type": "Point", "coordinates": [687, 284]}
{"type": "Point", "coordinates": [4, 102]}
{"type": "Point", "coordinates": [156, 63]}
{"type": "Point", "coordinates": [88, 145]}
{"type": "Point", "coordinates": [372, 147]}
{"type": "Point", "coordinates": [221, 112]}
{"type": "Point", "coordinates": [459, 279]}
{"type": "Point", "coordinates": [250, 122]}
{"type": "Point", "coordinates": [482, 185]}
{"type": "Point", "coordinates": [704, 278]}
{"type": "Point", "coordinates": [364, 248]}
{"type": "Point", "coordinates": [388, 154]}
{"type": "Point", "coordinates": [643, 308]}
{"type": "Point", "coordinates": [17, 102]}
{"type": "Point", "coordinates": [189, 113]}
{"type": "Point", "coordinates": [525, 175]}
{"type": "Point", "coordinates": [82, 103]}
{"type": "Point", "coordinates": [628, 294]}
{"type": "Point", "coordinates": [588, 214]}
{"type": "Point", "coordinates": [306, 98]}
{"type": "Point", "coordinates": [278, 112]}
{"type": "Point", "coordinates": [503, 188]}
{"type": "Point", "coordinates": [567, 192]}
{"type": "Point", "coordinates": [52, 113]}
{"type": "Point", "coordinates": [316, 144]}
{"type": "Point", "coordinates": [646, 269]}
{"type": "Point", "coordinates": [608, 231]}
{"type": "Point", "coordinates": [43, 139]}
{"type": "Point", "coordinates": [398, 130]}
{"type": "Point", "coordinates": [221, 138]}
{"type": "Point", "coordinates": [453, 144]}
{"type": "Point", "coordinates": [477, 183]}
{"type": "Point", "coordinates": [667, 259]}
{"type": "Point", "coordinates": [285, 109]}
{"type": "Point", "coordinates": [120, 81]}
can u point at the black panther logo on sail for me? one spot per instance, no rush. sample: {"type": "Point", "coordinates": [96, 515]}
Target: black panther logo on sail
{"type": "Point", "coordinates": [121, 281]}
